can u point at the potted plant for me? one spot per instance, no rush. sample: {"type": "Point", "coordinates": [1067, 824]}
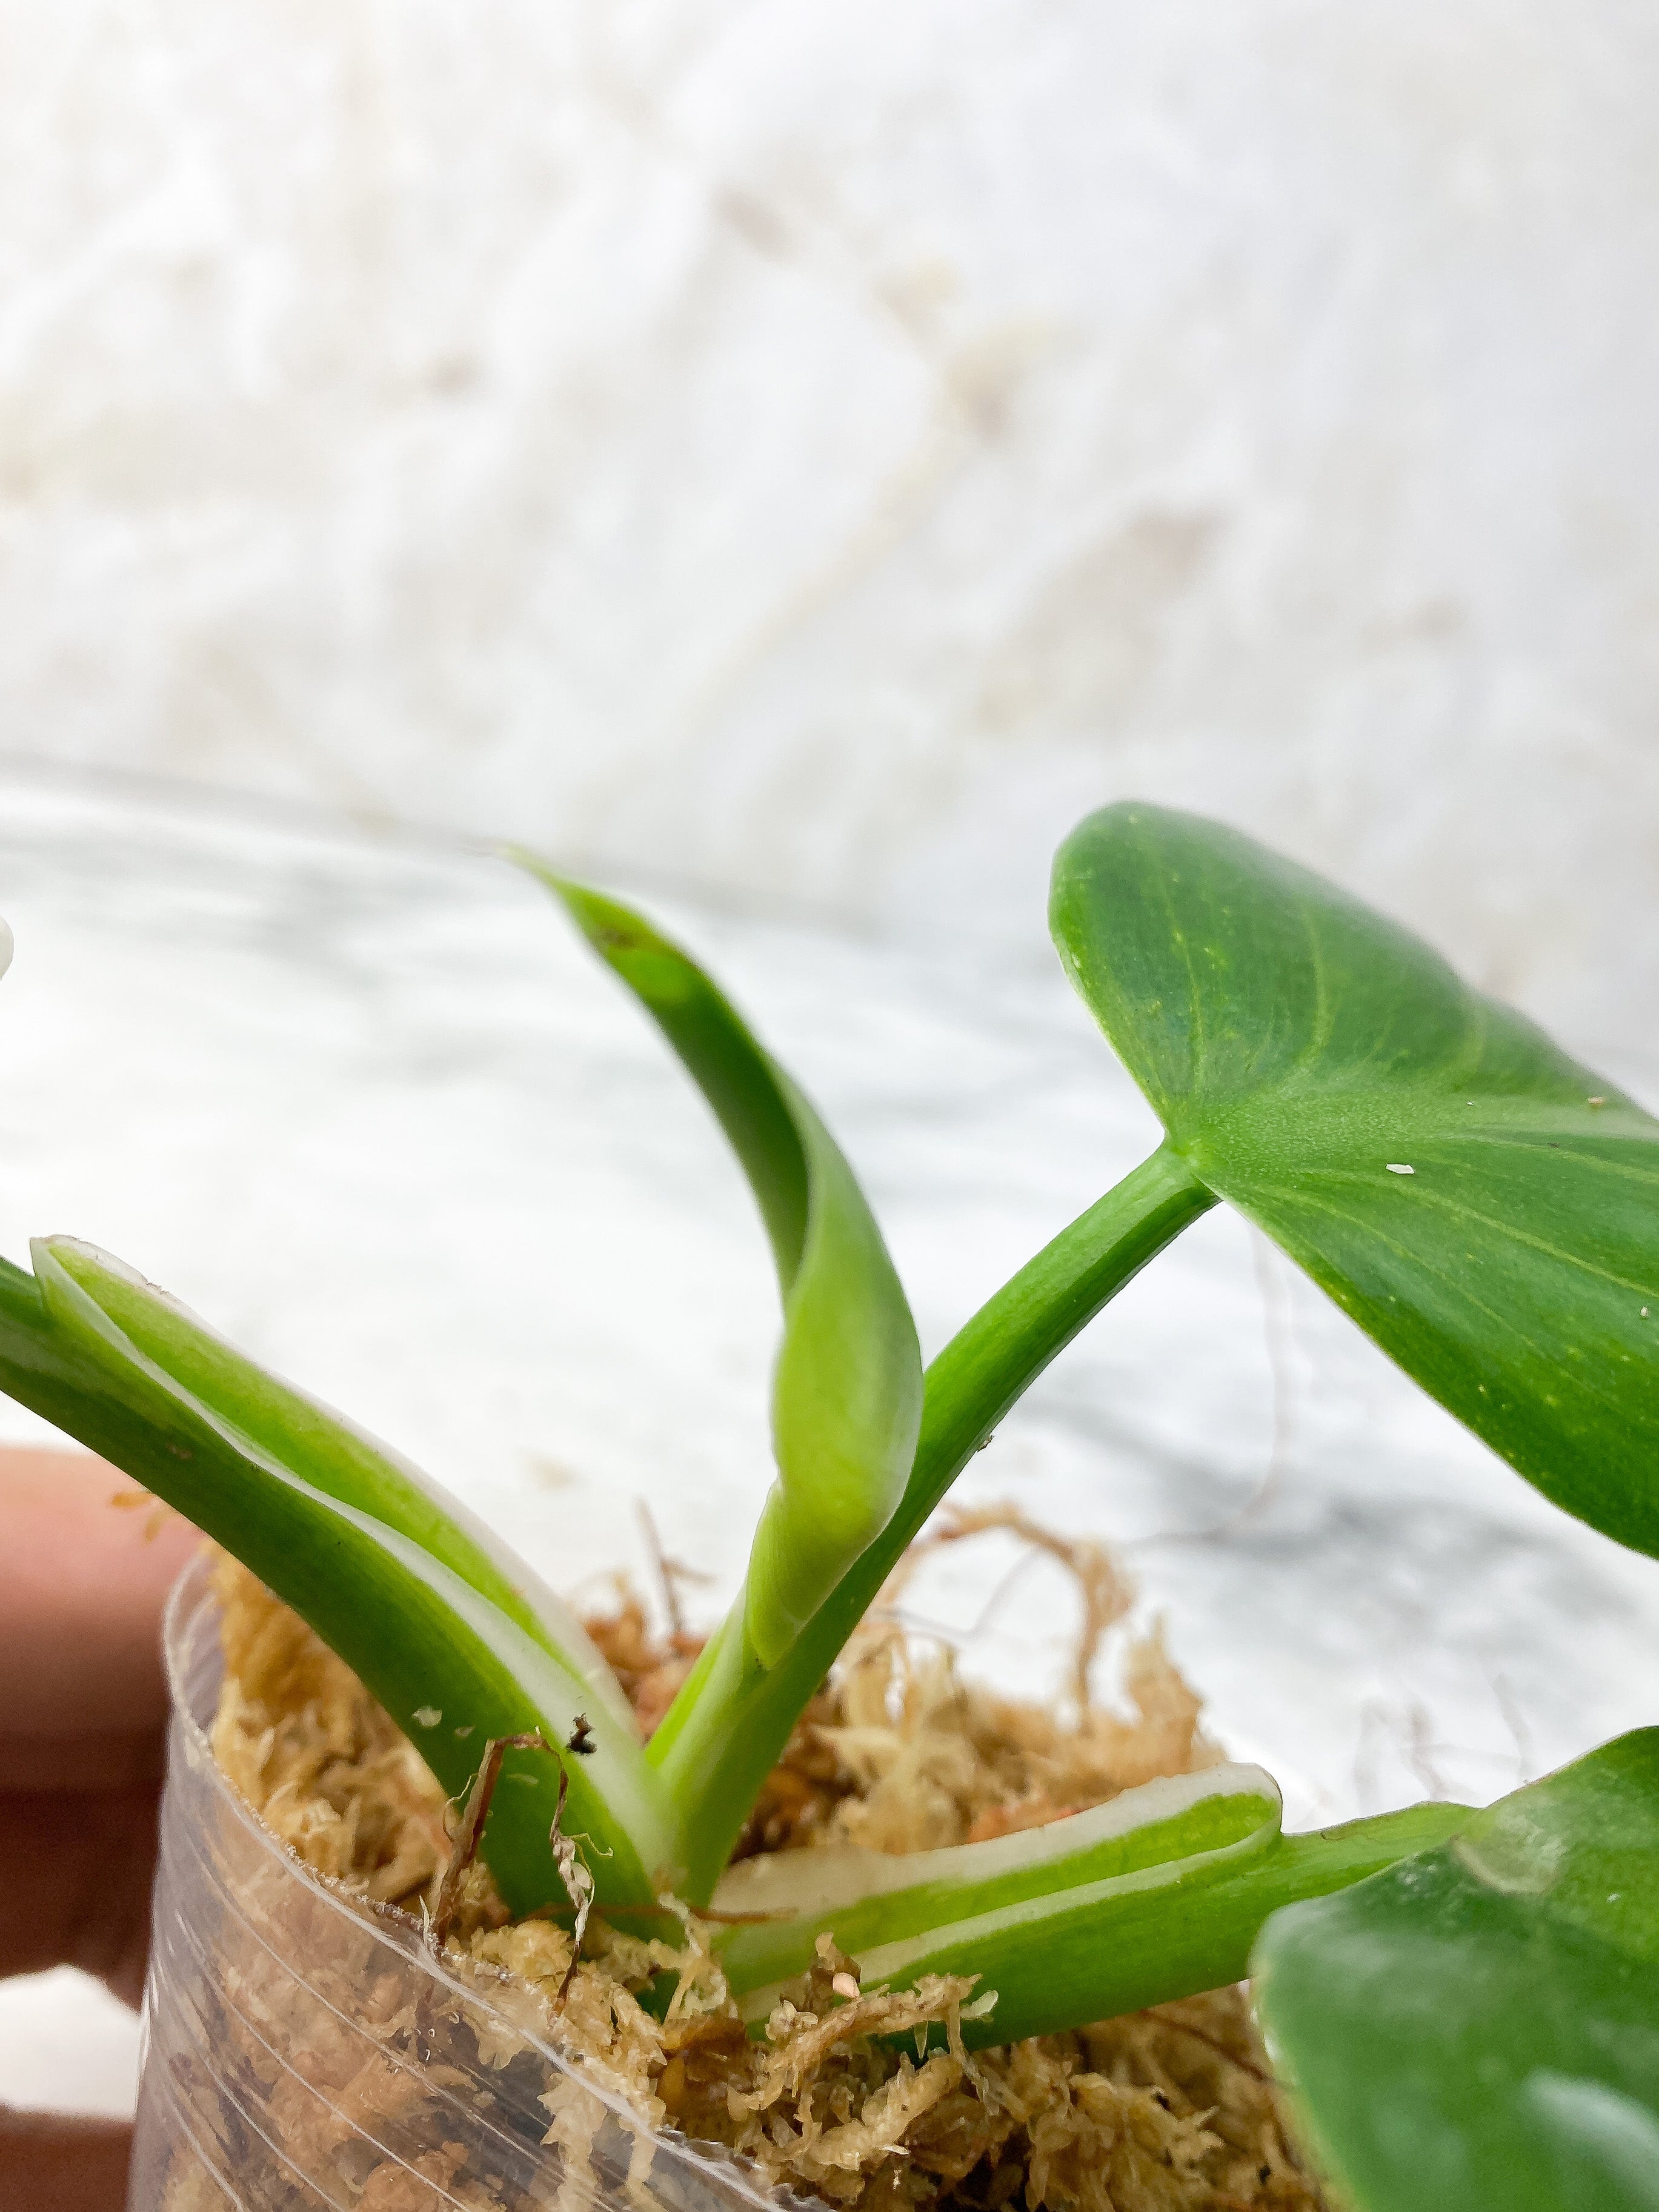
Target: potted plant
{"type": "Point", "coordinates": [1462, 2006]}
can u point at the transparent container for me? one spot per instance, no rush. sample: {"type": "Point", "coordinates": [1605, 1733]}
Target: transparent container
{"type": "Point", "coordinates": [302, 2050]}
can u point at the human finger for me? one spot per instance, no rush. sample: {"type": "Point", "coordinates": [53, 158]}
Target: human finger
{"type": "Point", "coordinates": [72, 2164]}
{"type": "Point", "coordinates": [82, 1583]}
{"type": "Point", "coordinates": [78, 1867]}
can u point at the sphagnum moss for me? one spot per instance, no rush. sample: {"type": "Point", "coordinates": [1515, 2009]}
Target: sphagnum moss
{"type": "Point", "coordinates": [1168, 2110]}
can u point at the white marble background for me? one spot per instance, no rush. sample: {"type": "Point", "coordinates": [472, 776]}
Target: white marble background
{"type": "Point", "coordinates": [817, 449]}
{"type": "Point", "coordinates": [804, 456]}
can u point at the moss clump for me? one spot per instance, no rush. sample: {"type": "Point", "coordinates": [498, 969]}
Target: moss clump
{"type": "Point", "coordinates": [1166, 2111]}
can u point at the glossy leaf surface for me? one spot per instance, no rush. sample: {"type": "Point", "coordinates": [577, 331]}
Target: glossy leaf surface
{"type": "Point", "coordinates": [877, 1904]}
{"type": "Point", "coordinates": [1480, 2024]}
{"type": "Point", "coordinates": [1158, 1894]}
{"type": "Point", "coordinates": [455, 1638]}
{"type": "Point", "coordinates": [1482, 1205]}
{"type": "Point", "coordinates": [846, 1390]}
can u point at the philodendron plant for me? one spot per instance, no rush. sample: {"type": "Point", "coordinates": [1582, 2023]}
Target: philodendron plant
{"type": "Point", "coordinates": [1463, 2005]}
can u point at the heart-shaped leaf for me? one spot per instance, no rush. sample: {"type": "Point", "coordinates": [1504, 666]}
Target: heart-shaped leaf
{"type": "Point", "coordinates": [1478, 2025]}
{"type": "Point", "coordinates": [1482, 1205]}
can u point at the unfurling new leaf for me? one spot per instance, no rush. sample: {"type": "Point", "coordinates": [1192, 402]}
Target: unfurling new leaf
{"type": "Point", "coordinates": [846, 1390]}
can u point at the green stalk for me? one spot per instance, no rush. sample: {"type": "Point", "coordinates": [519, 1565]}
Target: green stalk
{"type": "Point", "coordinates": [728, 1727]}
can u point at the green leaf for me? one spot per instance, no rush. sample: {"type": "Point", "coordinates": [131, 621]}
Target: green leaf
{"type": "Point", "coordinates": [846, 1390]}
{"type": "Point", "coordinates": [436, 1618]}
{"type": "Point", "coordinates": [1480, 2024]}
{"type": "Point", "coordinates": [1155, 1895]}
{"type": "Point", "coordinates": [314, 1440]}
{"type": "Point", "coordinates": [962, 1909]}
{"type": "Point", "coordinates": [1482, 1205]}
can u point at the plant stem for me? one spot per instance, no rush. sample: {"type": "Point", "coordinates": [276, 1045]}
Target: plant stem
{"type": "Point", "coordinates": [731, 1721]}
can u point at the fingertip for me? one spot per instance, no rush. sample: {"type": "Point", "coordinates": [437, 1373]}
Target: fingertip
{"type": "Point", "coordinates": [86, 1559]}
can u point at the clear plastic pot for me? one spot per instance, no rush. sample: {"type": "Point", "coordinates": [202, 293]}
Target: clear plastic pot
{"type": "Point", "coordinates": [302, 2051]}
